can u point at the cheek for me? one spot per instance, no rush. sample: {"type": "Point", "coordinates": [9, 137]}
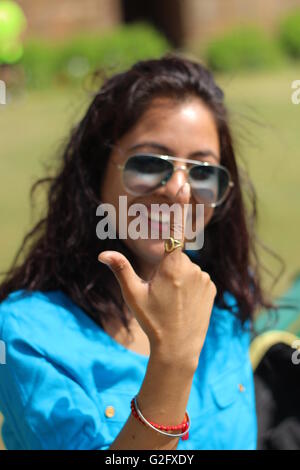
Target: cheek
{"type": "Point", "coordinates": [208, 213]}
{"type": "Point", "coordinates": [197, 225]}
{"type": "Point", "coordinates": [110, 192]}
{"type": "Point", "coordinates": [111, 186]}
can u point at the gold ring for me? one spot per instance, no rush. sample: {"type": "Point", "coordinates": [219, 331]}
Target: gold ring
{"type": "Point", "coordinates": [171, 244]}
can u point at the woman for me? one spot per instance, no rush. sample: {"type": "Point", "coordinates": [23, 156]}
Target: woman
{"type": "Point", "coordinates": [151, 327]}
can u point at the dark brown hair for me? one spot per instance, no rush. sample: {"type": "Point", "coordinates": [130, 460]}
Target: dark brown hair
{"type": "Point", "coordinates": [61, 251]}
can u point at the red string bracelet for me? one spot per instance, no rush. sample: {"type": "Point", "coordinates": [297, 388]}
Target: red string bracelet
{"type": "Point", "coordinates": [183, 427]}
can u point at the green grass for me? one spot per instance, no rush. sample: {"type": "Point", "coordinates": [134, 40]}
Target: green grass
{"type": "Point", "coordinates": [34, 126]}
{"type": "Point", "coordinates": [32, 129]}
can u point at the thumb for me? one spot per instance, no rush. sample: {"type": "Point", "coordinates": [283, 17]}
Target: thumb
{"type": "Point", "coordinates": [131, 284]}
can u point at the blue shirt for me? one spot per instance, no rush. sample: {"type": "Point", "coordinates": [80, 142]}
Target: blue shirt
{"type": "Point", "coordinates": [62, 371]}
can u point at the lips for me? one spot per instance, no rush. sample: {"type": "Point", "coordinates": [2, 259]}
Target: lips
{"type": "Point", "coordinates": [159, 217]}
{"type": "Point", "coordinates": [157, 222]}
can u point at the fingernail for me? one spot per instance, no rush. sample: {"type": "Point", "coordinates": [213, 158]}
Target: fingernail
{"type": "Point", "coordinates": [104, 259]}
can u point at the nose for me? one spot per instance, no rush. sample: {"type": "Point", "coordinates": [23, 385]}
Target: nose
{"type": "Point", "coordinates": [179, 177]}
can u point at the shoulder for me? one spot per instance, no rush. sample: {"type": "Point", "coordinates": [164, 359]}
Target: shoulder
{"type": "Point", "coordinates": [227, 333]}
{"type": "Point", "coordinates": [40, 317]}
{"type": "Point", "coordinates": [228, 310]}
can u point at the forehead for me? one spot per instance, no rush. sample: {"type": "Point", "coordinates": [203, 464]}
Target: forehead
{"type": "Point", "coordinates": [184, 126]}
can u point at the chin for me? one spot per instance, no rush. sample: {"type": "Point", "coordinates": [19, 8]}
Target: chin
{"type": "Point", "coordinates": [150, 251]}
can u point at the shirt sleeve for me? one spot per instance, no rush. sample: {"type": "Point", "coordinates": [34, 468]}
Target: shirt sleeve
{"type": "Point", "coordinates": [41, 402]}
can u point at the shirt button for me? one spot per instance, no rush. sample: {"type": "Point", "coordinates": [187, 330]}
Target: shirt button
{"type": "Point", "coordinates": [241, 388]}
{"type": "Point", "coordinates": [109, 412]}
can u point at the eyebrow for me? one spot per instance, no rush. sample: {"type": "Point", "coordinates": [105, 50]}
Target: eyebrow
{"type": "Point", "coordinates": [167, 151]}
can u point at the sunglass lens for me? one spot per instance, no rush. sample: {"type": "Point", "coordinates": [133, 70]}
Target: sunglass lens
{"type": "Point", "coordinates": [209, 183]}
{"type": "Point", "coordinates": [145, 173]}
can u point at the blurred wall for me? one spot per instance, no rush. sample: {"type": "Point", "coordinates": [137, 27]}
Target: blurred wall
{"type": "Point", "coordinates": [182, 21]}
{"type": "Point", "coordinates": [205, 18]}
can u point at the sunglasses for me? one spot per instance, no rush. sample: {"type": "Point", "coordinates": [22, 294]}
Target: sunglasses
{"type": "Point", "coordinates": [144, 173]}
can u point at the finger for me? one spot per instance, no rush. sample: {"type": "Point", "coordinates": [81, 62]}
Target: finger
{"type": "Point", "coordinates": [177, 226]}
{"type": "Point", "coordinates": [131, 284]}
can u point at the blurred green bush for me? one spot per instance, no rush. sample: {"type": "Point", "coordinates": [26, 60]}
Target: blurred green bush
{"type": "Point", "coordinates": [243, 48]}
{"type": "Point", "coordinates": [47, 62]}
{"type": "Point", "coordinates": [289, 34]}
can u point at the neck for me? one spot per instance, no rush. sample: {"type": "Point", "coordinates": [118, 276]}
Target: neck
{"type": "Point", "coordinates": [145, 270]}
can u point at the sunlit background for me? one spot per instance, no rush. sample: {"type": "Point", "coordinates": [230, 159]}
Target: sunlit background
{"type": "Point", "coordinates": [48, 51]}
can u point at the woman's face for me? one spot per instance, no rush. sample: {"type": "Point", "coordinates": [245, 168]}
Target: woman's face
{"type": "Point", "coordinates": [179, 129]}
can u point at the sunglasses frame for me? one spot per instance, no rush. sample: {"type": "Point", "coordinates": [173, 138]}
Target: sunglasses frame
{"type": "Point", "coordinates": [182, 168]}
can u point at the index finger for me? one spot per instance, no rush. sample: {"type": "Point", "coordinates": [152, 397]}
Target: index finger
{"type": "Point", "coordinates": [177, 225]}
